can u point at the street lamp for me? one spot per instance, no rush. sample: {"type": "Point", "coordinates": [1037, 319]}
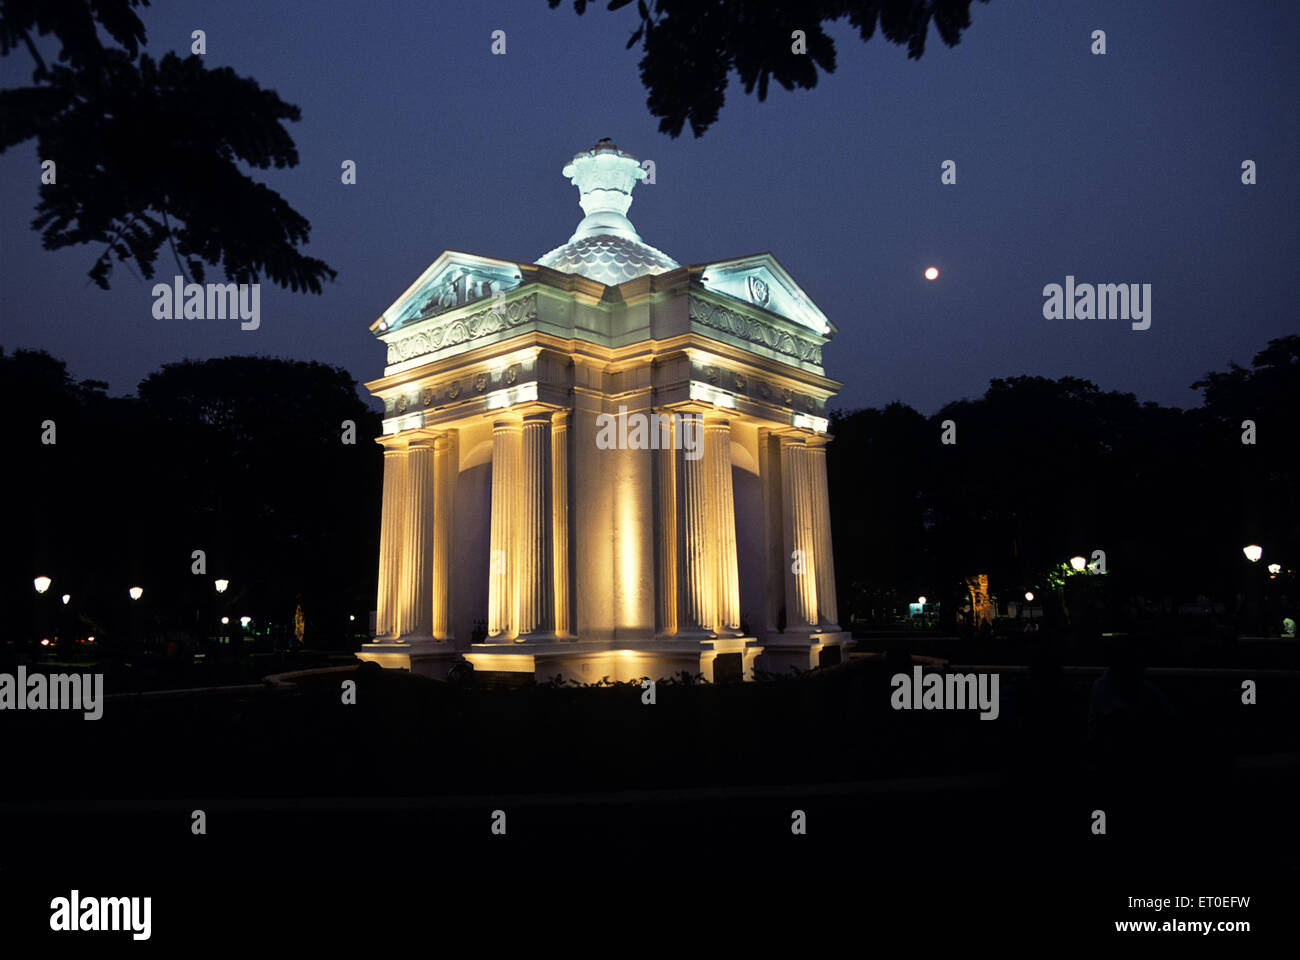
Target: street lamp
{"type": "Point", "coordinates": [221, 585]}
{"type": "Point", "coordinates": [245, 621]}
{"type": "Point", "coordinates": [66, 598]}
{"type": "Point", "coordinates": [42, 584]}
{"type": "Point", "coordinates": [1274, 569]}
{"type": "Point", "coordinates": [1078, 563]}
{"type": "Point", "coordinates": [921, 600]}
{"type": "Point", "coordinates": [136, 592]}
{"type": "Point", "coordinates": [1253, 552]}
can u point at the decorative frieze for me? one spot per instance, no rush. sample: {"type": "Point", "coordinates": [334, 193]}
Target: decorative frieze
{"type": "Point", "coordinates": [464, 329]}
{"type": "Point", "coordinates": [755, 331]}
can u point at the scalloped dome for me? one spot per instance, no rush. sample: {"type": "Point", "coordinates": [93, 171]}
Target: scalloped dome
{"type": "Point", "coordinates": [606, 247]}
{"type": "Point", "coordinates": [608, 259]}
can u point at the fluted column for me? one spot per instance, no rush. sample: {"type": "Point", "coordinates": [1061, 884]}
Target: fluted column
{"type": "Point", "coordinates": [446, 469]}
{"type": "Point", "coordinates": [502, 564]}
{"type": "Point", "coordinates": [824, 559]}
{"type": "Point", "coordinates": [560, 505]}
{"type": "Point", "coordinates": [387, 621]}
{"type": "Point", "coordinates": [722, 524]}
{"type": "Point", "coordinates": [416, 601]}
{"type": "Point", "coordinates": [697, 564]}
{"type": "Point", "coordinates": [666, 472]}
{"type": "Point", "coordinates": [536, 545]}
{"type": "Point", "coordinates": [800, 552]}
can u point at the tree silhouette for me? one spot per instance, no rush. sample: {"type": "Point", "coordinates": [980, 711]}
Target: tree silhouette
{"type": "Point", "coordinates": [691, 46]}
{"type": "Point", "coordinates": [147, 152]}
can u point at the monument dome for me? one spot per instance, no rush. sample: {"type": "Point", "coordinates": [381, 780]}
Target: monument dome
{"type": "Point", "coordinates": [606, 247]}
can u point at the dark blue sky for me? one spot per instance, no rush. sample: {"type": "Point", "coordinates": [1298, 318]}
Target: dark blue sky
{"type": "Point", "coordinates": [1116, 168]}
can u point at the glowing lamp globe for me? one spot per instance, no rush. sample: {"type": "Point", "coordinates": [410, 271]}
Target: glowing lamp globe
{"type": "Point", "coordinates": [1253, 552]}
{"type": "Point", "coordinates": [221, 585]}
{"type": "Point", "coordinates": [42, 584]}
{"type": "Point", "coordinates": [245, 621]}
{"type": "Point", "coordinates": [1275, 568]}
{"type": "Point", "coordinates": [66, 598]}
{"type": "Point", "coordinates": [225, 619]}
{"type": "Point", "coordinates": [921, 600]}
{"type": "Point", "coordinates": [136, 592]}
{"type": "Point", "coordinates": [1029, 596]}
{"type": "Point", "coordinates": [1078, 563]}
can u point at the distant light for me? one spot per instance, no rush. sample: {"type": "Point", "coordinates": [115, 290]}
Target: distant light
{"type": "Point", "coordinates": [225, 619]}
{"type": "Point", "coordinates": [351, 617]}
{"type": "Point", "coordinates": [1029, 595]}
{"type": "Point", "coordinates": [932, 273]}
{"type": "Point", "coordinates": [136, 592]}
{"type": "Point", "coordinates": [66, 598]}
{"type": "Point", "coordinates": [221, 585]}
{"type": "Point", "coordinates": [1253, 552]}
{"type": "Point", "coordinates": [42, 584]}
{"type": "Point", "coordinates": [91, 638]}
{"type": "Point", "coordinates": [1078, 563]}
{"type": "Point", "coordinates": [245, 621]}
{"type": "Point", "coordinates": [1275, 568]}
{"type": "Point", "coordinates": [45, 642]}
{"type": "Point", "coordinates": [920, 600]}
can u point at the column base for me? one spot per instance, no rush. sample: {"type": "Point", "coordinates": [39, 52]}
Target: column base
{"type": "Point", "coordinates": [804, 650]}
{"type": "Point", "coordinates": [424, 656]}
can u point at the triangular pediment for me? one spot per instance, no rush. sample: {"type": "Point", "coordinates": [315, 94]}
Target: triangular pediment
{"type": "Point", "coordinates": [761, 281]}
{"type": "Point", "coordinates": [451, 281]}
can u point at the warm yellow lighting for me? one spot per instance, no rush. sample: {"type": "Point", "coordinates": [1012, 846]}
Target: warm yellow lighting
{"type": "Point", "coordinates": [136, 592]}
{"type": "Point", "coordinates": [1253, 552]}
{"type": "Point", "coordinates": [221, 585]}
{"type": "Point", "coordinates": [1078, 563]}
{"type": "Point", "coordinates": [42, 584]}
{"type": "Point", "coordinates": [932, 273]}
{"type": "Point", "coordinates": [1029, 595]}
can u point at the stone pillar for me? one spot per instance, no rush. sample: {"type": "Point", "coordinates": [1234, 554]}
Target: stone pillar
{"type": "Point", "coordinates": [722, 524]}
{"type": "Point", "coordinates": [823, 558]}
{"type": "Point", "coordinates": [446, 470]}
{"type": "Point", "coordinates": [696, 556]}
{"type": "Point", "coordinates": [503, 602]}
{"type": "Point", "coordinates": [800, 552]}
{"type": "Point", "coordinates": [666, 472]}
{"type": "Point", "coordinates": [416, 600]}
{"type": "Point", "coordinates": [560, 505]}
{"type": "Point", "coordinates": [387, 619]}
{"type": "Point", "coordinates": [536, 523]}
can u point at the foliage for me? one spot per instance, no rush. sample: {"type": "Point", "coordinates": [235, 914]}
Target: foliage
{"type": "Point", "coordinates": [150, 152]}
{"type": "Point", "coordinates": [691, 47]}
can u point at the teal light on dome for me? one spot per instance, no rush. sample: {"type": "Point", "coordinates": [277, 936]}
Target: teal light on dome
{"type": "Point", "coordinates": [606, 247]}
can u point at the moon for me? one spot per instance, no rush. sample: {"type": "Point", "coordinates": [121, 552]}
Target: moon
{"type": "Point", "coordinates": [932, 273]}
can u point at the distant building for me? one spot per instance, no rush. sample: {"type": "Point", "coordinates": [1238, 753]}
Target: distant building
{"type": "Point", "coordinates": [605, 463]}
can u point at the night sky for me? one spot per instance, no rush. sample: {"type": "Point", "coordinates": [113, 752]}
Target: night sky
{"type": "Point", "coordinates": [1117, 168]}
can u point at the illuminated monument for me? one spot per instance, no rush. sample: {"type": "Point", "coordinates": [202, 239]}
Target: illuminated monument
{"type": "Point", "coordinates": [532, 523]}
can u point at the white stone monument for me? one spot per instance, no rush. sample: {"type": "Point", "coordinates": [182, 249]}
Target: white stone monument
{"type": "Point", "coordinates": [604, 463]}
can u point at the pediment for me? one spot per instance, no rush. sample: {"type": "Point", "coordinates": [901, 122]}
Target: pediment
{"type": "Point", "coordinates": [761, 281]}
{"type": "Point", "coordinates": [451, 281]}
